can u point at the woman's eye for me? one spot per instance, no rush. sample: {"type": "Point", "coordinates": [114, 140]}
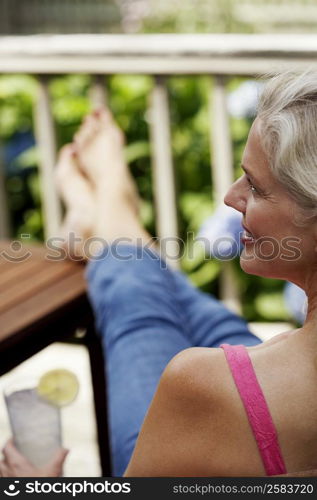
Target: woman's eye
{"type": "Point", "coordinates": [251, 187]}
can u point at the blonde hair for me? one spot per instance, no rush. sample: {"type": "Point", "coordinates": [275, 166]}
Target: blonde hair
{"type": "Point", "coordinates": [287, 111]}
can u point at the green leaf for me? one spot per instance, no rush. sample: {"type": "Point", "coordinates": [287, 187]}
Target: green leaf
{"type": "Point", "coordinates": [136, 150]}
{"type": "Point", "coordinates": [27, 158]}
{"type": "Point", "coordinates": [271, 306]}
{"type": "Point", "coordinates": [205, 274]}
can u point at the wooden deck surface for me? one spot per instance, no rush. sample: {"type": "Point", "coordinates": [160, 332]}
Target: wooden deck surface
{"type": "Point", "coordinates": [37, 295]}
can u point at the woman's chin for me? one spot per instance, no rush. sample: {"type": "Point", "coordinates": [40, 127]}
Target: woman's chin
{"type": "Point", "coordinates": [252, 265]}
{"type": "Point", "coordinates": [258, 267]}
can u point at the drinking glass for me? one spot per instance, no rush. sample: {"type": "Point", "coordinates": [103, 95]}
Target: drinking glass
{"type": "Point", "coordinates": [35, 423]}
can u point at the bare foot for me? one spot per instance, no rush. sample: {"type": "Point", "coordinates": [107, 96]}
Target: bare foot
{"type": "Point", "coordinates": [100, 146]}
{"type": "Point", "coordinates": [98, 190]}
{"type": "Point", "coordinates": [78, 197]}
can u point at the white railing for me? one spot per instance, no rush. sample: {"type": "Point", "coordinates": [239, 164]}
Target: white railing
{"type": "Point", "coordinates": [219, 56]}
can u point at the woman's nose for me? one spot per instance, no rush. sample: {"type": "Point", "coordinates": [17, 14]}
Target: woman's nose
{"type": "Point", "coordinates": [235, 197]}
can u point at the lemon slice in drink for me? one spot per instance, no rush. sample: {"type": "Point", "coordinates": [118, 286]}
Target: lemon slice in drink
{"type": "Point", "coordinates": [59, 387]}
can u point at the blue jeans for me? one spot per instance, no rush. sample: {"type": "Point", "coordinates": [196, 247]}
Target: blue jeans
{"type": "Point", "coordinates": [146, 313]}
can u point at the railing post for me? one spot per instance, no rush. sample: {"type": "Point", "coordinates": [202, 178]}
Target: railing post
{"type": "Point", "coordinates": [222, 172]}
{"type": "Point", "coordinates": [4, 212]}
{"type": "Point", "coordinates": [45, 138]}
{"type": "Point", "coordinates": [98, 92]}
{"type": "Point", "coordinates": [163, 173]}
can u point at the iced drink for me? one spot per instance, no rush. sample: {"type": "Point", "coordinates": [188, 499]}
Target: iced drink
{"type": "Point", "coordinates": [35, 424]}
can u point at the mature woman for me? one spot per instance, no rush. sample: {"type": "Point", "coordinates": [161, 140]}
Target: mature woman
{"type": "Point", "coordinates": [230, 410]}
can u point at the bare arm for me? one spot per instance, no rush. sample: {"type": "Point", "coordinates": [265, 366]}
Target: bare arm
{"type": "Point", "coordinates": [170, 441]}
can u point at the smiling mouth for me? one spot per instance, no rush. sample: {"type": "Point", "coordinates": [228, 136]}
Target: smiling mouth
{"type": "Point", "coordinates": [246, 236]}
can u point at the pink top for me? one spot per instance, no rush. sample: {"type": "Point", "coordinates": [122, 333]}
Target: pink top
{"type": "Point", "coordinates": [256, 408]}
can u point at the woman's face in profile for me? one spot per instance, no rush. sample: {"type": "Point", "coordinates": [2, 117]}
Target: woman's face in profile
{"type": "Point", "coordinates": [274, 246]}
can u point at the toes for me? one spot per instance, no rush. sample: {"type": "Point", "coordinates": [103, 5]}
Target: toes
{"type": "Point", "coordinates": [66, 156]}
{"type": "Point", "coordinates": [66, 153]}
{"type": "Point", "coordinates": [106, 120]}
{"type": "Point", "coordinates": [99, 120]}
{"type": "Point", "coordinates": [72, 185]}
{"type": "Point", "coordinates": [103, 120]}
{"type": "Point", "coordinates": [66, 160]}
{"type": "Point", "coordinates": [105, 116]}
{"type": "Point", "coordinates": [87, 130]}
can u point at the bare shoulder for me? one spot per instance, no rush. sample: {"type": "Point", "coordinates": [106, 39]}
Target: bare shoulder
{"type": "Point", "coordinates": [275, 339]}
{"type": "Point", "coordinates": [196, 372]}
{"type": "Point", "coordinates": [182, 415]}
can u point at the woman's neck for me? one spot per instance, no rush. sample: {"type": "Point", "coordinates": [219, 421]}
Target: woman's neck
{"type": "Point", "coordinates": [309, 328]}
{"type": "Point", "coordinates": [310, 288]}
{"type": "Point", "coordinates": [308, 331]}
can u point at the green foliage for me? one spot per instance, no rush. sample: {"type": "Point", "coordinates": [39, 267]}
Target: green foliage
{"type": "Point", "coordinates": [271, 306]}
{"type": "Point", "coordinates": [195, 16]}
{"type": "Point", "coordinates": [16, 102]}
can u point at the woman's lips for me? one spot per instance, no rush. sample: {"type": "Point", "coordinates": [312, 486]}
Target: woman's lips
{"type": "Point", "coordinates": [247, 237]}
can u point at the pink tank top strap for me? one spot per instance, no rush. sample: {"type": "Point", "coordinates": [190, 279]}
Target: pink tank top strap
{"type": "Point", "coordinates": [256, 408]}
